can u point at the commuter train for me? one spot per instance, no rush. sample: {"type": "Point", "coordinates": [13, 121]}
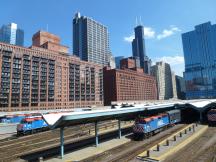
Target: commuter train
{"type": "Point", "coordinates": [35, 123]}
{"type": "Point", "coordinates": [31, 125]}
{"type": "Point", "coordinates": [211, 116]}
{"type": "Point", "coordinates": [12, 118]}
{"type": "Point", "coordinates": [17, 118]}
{"type": "Point", "coordinates": [147, 126]}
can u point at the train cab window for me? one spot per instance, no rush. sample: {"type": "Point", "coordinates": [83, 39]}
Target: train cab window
{"type": "Point", "coordinates": [143, 122]}
{"type": "Point", "coordinates": [25, 122]}
{"type": "Point", "coordinates": [140, 121]}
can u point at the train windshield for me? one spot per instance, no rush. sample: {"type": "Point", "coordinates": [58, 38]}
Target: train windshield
{"type": "Point", "coordinates": [25, 122]}
{"type": "Point", "coordinates": [140, 121]}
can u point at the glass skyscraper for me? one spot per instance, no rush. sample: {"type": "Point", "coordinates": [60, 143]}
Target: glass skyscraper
{"type": "Point", "coordinates": [90, 40]}
{"type": "Point", "coordinates": [12, 35]}
{"type": "Point", "coordinates": [138, 49]}
{"type": "Point", "coordinates": [117, 61]}
{"type": "Point", "coordinates": [200, 61]}
{"type": "Point", "coordinates": [180, 87]}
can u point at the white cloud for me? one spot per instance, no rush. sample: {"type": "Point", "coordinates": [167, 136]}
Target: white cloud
{"type": "Point", "coordinates": [173, 60]}
{"type": "Point", "coordinates": [148, 33]}
{"type": "Point", "coordinates": [168, 32]}
{"type": "Point", "coordinates": [129, 39]}
{"type": "Point", "coordinates": [176, 63]}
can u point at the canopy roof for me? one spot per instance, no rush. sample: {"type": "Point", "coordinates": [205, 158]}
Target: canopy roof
{"type": "Point", "coordinates": [73, 118]}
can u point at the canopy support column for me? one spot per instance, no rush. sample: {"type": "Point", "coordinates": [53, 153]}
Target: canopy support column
{"type": "Point", "coordinates": [119, 128]}
{"type": "Point", "coordinates": [96, 134]}
{"type": "Point", "coordinates": [201, 116]}
{"type": "Point", "coordinates": [62, 141]}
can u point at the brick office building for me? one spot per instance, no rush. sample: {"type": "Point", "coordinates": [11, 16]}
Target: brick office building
{"type": "Point", "coordinates": [44, 77]}
{"type": "Point", "coordinates": [48, 41]}
{"type": "Point", "coordinates": [128, 83]}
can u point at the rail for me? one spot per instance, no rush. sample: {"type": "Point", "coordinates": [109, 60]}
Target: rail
{"type": "Point", "coordinates": [146, 153]}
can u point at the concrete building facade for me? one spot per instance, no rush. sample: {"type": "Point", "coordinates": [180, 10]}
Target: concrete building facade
{"type": "Point", "coordinates": [36, 78]}
{"type": "Point", "coordinates": [111, 61]}
{"type": "Point", "coordinates": [174, 87]}
{"type": "Point", "coordinates": [163, 75]}
{"type": "Point", "coordinates": [128, 84]}
{"type": "Point", "coordinates": [90, 40]}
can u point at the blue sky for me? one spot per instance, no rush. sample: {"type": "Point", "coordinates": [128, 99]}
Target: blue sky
{"type": "Point", "coordinates": [164, 21]}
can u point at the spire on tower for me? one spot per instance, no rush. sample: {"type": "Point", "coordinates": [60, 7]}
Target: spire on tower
{"type": "Point", "coordinates": [136, 21]}
{"type": "Point", "coordinates": [140, 20]}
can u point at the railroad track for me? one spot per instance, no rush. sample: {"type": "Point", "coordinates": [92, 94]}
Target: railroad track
{"type": "Point", "coordinates": [13, 149]}
{"type": "Point", "coordinates": [10, 153]}
{"type": "Point", "coordinates": [130, 150]}
{"type": "Point", "coordinates": [44, 134]}
{"type": "Point", "coordinates": [37, 136]}
{"type": "Point", "coordinates": [203, 149]}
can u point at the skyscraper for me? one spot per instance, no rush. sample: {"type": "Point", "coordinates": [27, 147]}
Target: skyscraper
{"type": "Point", "coordinates": [163, 75]}
{"type": "Point", "coordinates": [117, 61]}
{"type": "Point", "coordinates": [90, 40]}
{"type": "Point", "coordinates": [180, 87]}
{"type": "Point", "coordinates": [12, 34]}
{"type": "Point", "coordinates": [111, 61]}
{"type": "Point", "coordinates": [174, 87]}
{"type": "Point", "coordinates": [199, 48]}
{"type": "Point", "coordinates": [138, 49]}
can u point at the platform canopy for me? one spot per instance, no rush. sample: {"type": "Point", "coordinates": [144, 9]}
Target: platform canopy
{"type": "Point", "coordinates": [73, 118]}
{"type": "Point", "coordinates": [201, 105]}
{"type": "Point", "coordinates": [68, 119]}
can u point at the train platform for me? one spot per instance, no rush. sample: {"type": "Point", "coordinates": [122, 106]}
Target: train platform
{"type": "Point", "coordinates": [7, 130]}
{"type": "Point", "coordinates": [91, 150]}
{"type": "Point", "coordinates": [172, 144]}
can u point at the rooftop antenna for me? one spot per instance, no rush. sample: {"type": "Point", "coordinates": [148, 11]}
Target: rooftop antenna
{"type": "Point", "coordinates": [47, 28]}
{"type": "Point", "coordinates": [140, 20]}
{"type": "Point", "coordinates": [136, 22]}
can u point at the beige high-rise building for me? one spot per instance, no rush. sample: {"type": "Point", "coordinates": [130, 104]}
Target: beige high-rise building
{"type": "Point", "coordinates": [45, 77]}
{"type": "Point", "coordinates": [174, 88]}
{"type": "Point", "coordinates": [163, 75]}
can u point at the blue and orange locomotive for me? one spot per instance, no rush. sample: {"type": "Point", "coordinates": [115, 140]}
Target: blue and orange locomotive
{"type": "Point", "coordinates": [31, 124]}
{"type": "Point", "coordinates": [147, 126]}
